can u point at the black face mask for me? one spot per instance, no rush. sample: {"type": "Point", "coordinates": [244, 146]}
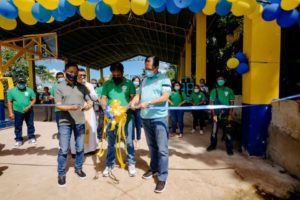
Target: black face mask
{"type": "Point", "coordinates": [71, 76]}
{"type": "Point", "coordinates": [118, 80]}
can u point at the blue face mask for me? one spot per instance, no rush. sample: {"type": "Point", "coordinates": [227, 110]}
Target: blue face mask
{"type": "Point", "coordinates": [60, 80]}
{"type": "Point", "coordinates": [149, 73]}
{"type": "Point", "coordinates": [221, 82]}
{"type": "Point", "coordinates": [135, 83]}
{"type": "Point", "coordinates": [21, 86]}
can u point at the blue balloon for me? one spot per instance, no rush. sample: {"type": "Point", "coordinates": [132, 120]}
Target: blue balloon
{"type": "Point", "coordinates": [40, 13]}
{"type": "Point", "coordinates": [93, 1]}
{"type": "Point", "coordinates": [241, 57]}
{"type": "Point", "coordinates": [156, 3]}
{"type": "Point", "coordinates": [8, 10]}
{"type": "Point", "coordinates": [182, 3]}
{"type": "Point", "coordinates": [271, 12]}
{"type": "Point", "coordinates": [223, 8]}
{"type": "Point", "coordinates": [288, 18]}
{"type": "Point", "coordinates": [242, 68]}
{"type": "Point", "coordinates": [172, 8]}
{"type": "Point", "coordinates": [197, 5]}
{"type": "Point", "coordinates": [104, 12]}
{"type": "Point", "coordinates": [160, 9]}
{"type": "Point", "coordinates": [149, 9]}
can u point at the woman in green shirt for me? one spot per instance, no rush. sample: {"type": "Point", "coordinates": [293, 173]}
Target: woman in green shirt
{"type": "Point", "coordinates": [176, 99]}
{"type": "Point", "coordinates": [198, 98]}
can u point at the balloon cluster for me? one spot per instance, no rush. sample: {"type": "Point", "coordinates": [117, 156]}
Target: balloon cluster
{"type": "Point", "coordinates": [284, 11]}
{"type": "Point", "coordinates": [239, 62]}
{"type": "Point", "coordinates": [47, 11]}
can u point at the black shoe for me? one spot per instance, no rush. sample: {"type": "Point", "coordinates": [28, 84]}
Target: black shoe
{"type": "Point", "coordinates": [149, 174]}
{"type": "Point", "coordinates": [81, 174]}
{"type": "Point", "coordinates": [211, 148]}
{"type": "Point", "coordinates": [229, 152]}
{"type": "Point", "coordinates": [61, 181]}
{"type": "Point", "coordinates": [160, 187]}
{"type": "Point", "coordinates": [73, 156]}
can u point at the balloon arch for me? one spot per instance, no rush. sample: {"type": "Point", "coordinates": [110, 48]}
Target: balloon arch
{"type": "Point", "coordinates": [30, 12]}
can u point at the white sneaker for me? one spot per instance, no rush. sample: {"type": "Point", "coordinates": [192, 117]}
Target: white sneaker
{"type": "Point", "coordinates": [201, 132]}
{"type": "Point", "coordinates": [32, 141]}
{"type": "Point", "coordinates": [193, 131]}
{"type": "Point", "coordinates": [131, 170]}
{"type": "Point", "coordinates": [18, 143]}
{"type": "Point", "coordinates": [106, 171]}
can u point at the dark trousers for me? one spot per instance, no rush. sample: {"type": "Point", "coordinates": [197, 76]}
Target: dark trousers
{"type": "Point", "coordinates": [48, 113]}
{"type": "Point", "coordinates": [19, 118]}
{"type": "Point", "coordinates": [57, 117]}
{"type": "Point", "coordinates": [177, 118]}
{"type": "Point", "coordinates": [227, 131]}
{"type": "Point", "coordinates": [198, 119]}
{"type": "Point", "coordinates": [137, 124]}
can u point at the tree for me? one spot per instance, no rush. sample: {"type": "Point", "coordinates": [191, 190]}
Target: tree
{"type": "Point", "coordinates": [171, 71]}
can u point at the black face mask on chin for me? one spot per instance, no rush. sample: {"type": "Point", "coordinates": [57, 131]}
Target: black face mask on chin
{"type": "Point", "coordinates": [118, 80]}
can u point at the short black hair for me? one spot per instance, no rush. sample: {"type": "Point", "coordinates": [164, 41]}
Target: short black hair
{"type": "Point", "coordinates": [136, 77]}
{"type": "Point", "coordinates": [117, 67]}
{"type": "Point", "coordinates": [70, 64]}
{"type": "Point", "coordinates": [155, 60]}
{"type": "Point", "coordinates": [94, 80]}
{"type": "Point", "coordinates": [46, 88]}
{"type": "Point", "coordinates": [59, 73]}
{"type": "Point", "coordinates": [81, 70]}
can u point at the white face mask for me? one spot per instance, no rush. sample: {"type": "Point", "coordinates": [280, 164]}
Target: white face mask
{"type": "Point", "coordinates": [94, 85]}
{"type": "Point", "coordinates": [177, 88]}
{"type": "Point", "coordinates": [196, 90]}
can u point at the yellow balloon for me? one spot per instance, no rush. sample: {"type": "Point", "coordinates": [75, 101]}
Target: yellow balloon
{"type": "Point", "coordinates": [24, 5]}
{"type": "Point", "coordinates": [289, 4]}
{"type": "Point", "coordinates": [7, 24]}
{"type": "Point", "coordinates": [232, 63]}
{"type": "Point", "coordinates": [87, 10]}
{"type": "Point", "coordinates": [258, 12]}
{"type": "Point", "coordinates": [139, 7]}
{"type": "Point", "coordinates": [110, 2]}
{"type": "Point", "coordinates": [210, 7]}
{"type": "Point", "coordinates": [50, 20]}
{"type": "Point", "coordinates": [49, 4]}
{"type": "Point", "coordinates": [121, 7]}
{"type": "Point", "coordinates": [27, 18]}
{"type": "Point", "coordinates": [243, 7]}
{"type": "Point", "coordinates": [76, 2]}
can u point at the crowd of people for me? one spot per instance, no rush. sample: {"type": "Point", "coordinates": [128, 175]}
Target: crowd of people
{"type": "Point", "coordinates": [80, 108]}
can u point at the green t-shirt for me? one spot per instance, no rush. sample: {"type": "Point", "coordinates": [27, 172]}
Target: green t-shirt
{"type": "Point", "coordinates": [197, 98]}
{"type": "Point", "coordinates": [99, 91]}
{"type": "Point", "coordinates": [21, 99]}
{"type": "Point", "coordinates": [176, 98]}
{"type": "Point", "coordinates": [224, 96]}
{"type": "Point", "coordinates": [186, 97]}
{"type": "Point", "coordinates": [121, 92]}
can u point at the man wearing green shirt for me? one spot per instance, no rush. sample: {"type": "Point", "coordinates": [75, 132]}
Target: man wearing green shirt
{"type": "Point", "coordinates": [20, 102]}
{"type": "Point", "coordinates": [122, 89]}
{"type": "Point", "coordinates": [198, 98]}
{"type": "Point", "coordinates": [59, 78]}
{"type": "Point", "coordinates": [222, 95]}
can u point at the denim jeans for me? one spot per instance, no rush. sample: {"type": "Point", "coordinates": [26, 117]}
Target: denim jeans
{"type": "Point", "coordinates": [57, 117]}
{"type": "Point", "coordinates": [111, 150]}
{"type": "Point", "coordinates": [19, 118]}
{"type": "Point", "coordinates": [137, 121]}
{"type": "Point", "coordinates": [177, 117]}
{"type": "Point", "coordinates": [156, 131]}
{"type": "Point", "coordinates": [64, 136]}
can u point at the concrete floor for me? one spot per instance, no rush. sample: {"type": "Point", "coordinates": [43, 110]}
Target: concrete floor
{"type": "Point", "coordinates": [29, 172]}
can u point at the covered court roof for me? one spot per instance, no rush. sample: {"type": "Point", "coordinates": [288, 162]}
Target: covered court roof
{"type": "Point", "coordinates": [94, 44]}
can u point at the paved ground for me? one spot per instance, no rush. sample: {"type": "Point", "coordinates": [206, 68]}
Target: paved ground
{"type": "Point", "coordinates": [30, 172]}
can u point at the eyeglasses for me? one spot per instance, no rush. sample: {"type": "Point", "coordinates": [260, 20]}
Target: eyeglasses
{"type": "Point", "coordinates": [82, 75]}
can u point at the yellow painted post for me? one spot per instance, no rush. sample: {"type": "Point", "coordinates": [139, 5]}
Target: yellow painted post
{"type": "Point", "coordinates": [261, 83]}
{"type": "Point", "coordinates": [31, 73]}
{"type": "Point", "coordinates": [1, 70]}
{"type": "Point", "coordinates": [88, 74]}
{"type": "Point", "coordinates": [200, 47]}
{"type": "Point", "coordinates": [262, 46]}
{"type": "Point", "coordinates": [188, 57]}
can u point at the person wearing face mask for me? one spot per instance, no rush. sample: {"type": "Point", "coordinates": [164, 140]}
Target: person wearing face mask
{"type": "Point", "coordinates": [203, 87]}
{"type": "Point", "coordinates": [122, 89]}
{"type": "Point", "coordinates": [45, 98]}
{"type": "Point", "coordinates": [176, 115]}
{"type": "Point", "coordinates": [198, 99]}
{"type": "Point", "coordinates": [222, 95]}
{"type": "Point", "coordinates": [20, 101]}
{"type": "Point", "coordinates": [136, 114]}
{"type": "Point", "coordinates": [72, 99]}
{"type": "Point", "coordinates": [90, 137]}
{"type": "Point", "coordinates": [155, 90]}
{"type": "Point", "coordinates": [98, 109]}
{"type": "Point", "coordinates": [60, 77]}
